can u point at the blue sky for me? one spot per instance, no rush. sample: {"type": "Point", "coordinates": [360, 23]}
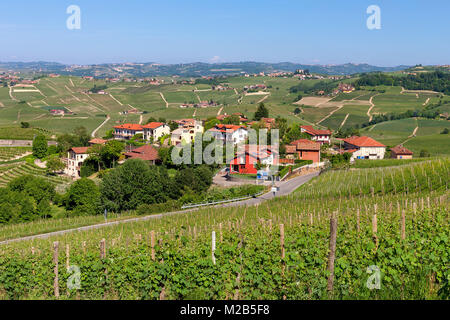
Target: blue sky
{"type": "Point", "coordinates": [180, 31]}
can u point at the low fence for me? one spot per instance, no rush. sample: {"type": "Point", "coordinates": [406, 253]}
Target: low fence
{"type": "Point", "coordinates": [203, 204]}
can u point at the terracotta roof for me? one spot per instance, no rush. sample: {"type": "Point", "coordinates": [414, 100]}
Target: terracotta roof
{"type": "Point", "coordinates": [363, 142]}
{"type": "Point", "coordinates": [401, 150]}
{"type": "Point", "coordinates": [228, 127]}
{"type": "Point", "coordinates": [80, 150]}
{"type": "Point", "coordinates": [153, 125]}
{"type": "Point", "coordinates": [291, 149]}
{"type": "Point", "coordinates": [146, 152]}
{"type": "Point", "coordinates": [130, 126]}
{"type": "Point", "coordinates": [98, 141]}
{"type": "Point", "coordinates": [305, 144]}
{"type": "Point", "coordinates": [315, 132]}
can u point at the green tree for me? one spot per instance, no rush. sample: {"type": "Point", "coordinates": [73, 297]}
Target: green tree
{"type": "Point", "coordinates": [40, 146]}
{"type": "Point", "coordinates": [261, 112]}
{"type": "Point", "coordinates": [424, 153]}
{"type": "Point", "coordinates": [83, 198]}
{"type": "Point", "coordinates": [111, 152]}
{"type": "Point", "coordinates": [135, 183]}
{"type": "Point", "coordinates": [54, 164]}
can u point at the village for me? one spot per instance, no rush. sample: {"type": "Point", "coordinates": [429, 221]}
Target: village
{"type": "Point", "coordinates": [315, 146]}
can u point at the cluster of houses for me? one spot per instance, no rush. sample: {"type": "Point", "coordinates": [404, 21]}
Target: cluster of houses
{"type": "Point", "coordinates": [202, 104]}
{"type": "Point", "coordinates": [248, 158]}
{"type": "Point", "coordinates": [255, 87]}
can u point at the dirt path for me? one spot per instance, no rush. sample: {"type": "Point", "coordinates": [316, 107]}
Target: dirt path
{"type": "Point", "coordinates": [11, 95]}
{"type": "Point", "coordinates": [412, 135]}
{"type": "Point", "coordinates": [344, 121]}
{"type": "Point", "coordinates": [2, 105]}
{"type": "Point", "coordinates": [194, 114]}
{"type": "Point", "coordinates": [71, 82]}
{"type": "Point", "coordinates": [372, 105]}
{"type": "Point", "coordinates": [220, 111]}
{"type": "Point", "coordinates": [115, 99]}
{"type": "Point", "coordinates": [263, 99]}
{"type": "Point", "coordinates": [98, 128]}
{"type": "Point", "coordinates": [235, 90]}
{"type": "Point", "coordinates": [141, 118]}
{"type": "Point", "coordinates": [330, 114]}
{"type": "Point", "coordinates": [162, 96]}
{"type": "Point", "coordinates": [426, 102]}
{"type": "Point", "coordinates": [285, 187]}
{"type": "Point", "coordinates": [198, 97]}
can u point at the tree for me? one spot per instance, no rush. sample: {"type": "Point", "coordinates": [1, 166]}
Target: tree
{"type": "Point", "coordinates": [54, 164]}
{"type": "Point", "coordinates": [261, 112]}
{"type": "Point", "coordinates": [424, 153]}
{"type": "Point", "coordinates": [40, 146]}
{"type": "Point", "coordinates": [25, 125]}
{"type": "Point", "coordinates": [82, 136]}
{"type": "Point", "coordinates": [135, 183]}
{"type": "Point", "coordinates": [173, 125]}
{"type": "Point", "coordinates": [445, 131]}
{"type": "Point", "coordinates": [83, 198]}
{"type": "Point", "coordinates": [111, 152]}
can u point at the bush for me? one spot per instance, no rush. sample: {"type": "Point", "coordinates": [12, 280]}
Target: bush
{"type": "Point", "coordinates": [83, 198]}
{"type": "Point", "coordinates": [168, 206]}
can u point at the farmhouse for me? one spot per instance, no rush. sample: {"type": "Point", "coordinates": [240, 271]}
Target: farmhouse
{"type": "Point", "coordinates": [127, 131]}
{"type": "Point", "coordinates": [400, 152]}
{"type": "Point", "coordinates": [304, 149]}
{"type": "Point", "coordinates": [155, 130]}
{"type": "Point", "coordinates": [229, 133]}
{"type": "Point", "coordinates": [322, 136]}
{"type": "Point", "coordinates": [146, 153]}
{"type": "Point", "coordinates": [75, 158]}
{"type": "Point", "coordinates": [57, 112]}
{"type": "Point", "coordinates": [364, 148]}
{"type": "Point", "coordinates": [249, 157]}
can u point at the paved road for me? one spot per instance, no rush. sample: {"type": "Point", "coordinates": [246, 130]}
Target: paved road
{"type": "Point", "coordinates": [286, 187]}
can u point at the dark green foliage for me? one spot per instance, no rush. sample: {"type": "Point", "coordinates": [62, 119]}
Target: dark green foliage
{"type": "Point", "coordinates": [40, 146]}
{"type": "Point", "coordinates": [436, 81]}
{"type": "Point", "coordinates": [133, 184]}
{"type": "Point", "coordinates": [83, 198]}
{"type": "Point", "coordinates": [261, 112]}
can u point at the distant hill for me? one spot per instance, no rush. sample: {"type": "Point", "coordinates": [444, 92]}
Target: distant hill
{"type": "Point", "coordinates": [187, 70]}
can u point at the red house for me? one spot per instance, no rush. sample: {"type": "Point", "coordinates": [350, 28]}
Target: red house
{"type": "Point", "coordinates": [249, 156]}
{"type": "Point", "coordinates": [146, 153]}
{"type": "Point", "coordinates": [304, 149]}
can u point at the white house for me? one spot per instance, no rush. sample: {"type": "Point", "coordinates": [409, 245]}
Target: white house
{"type": "Point", "coordinates": [155, 130]}
{"type": "Point", "coordinates": [322, 136]}
{"type": "Point", "coordinates": [127, 131]}
{"type": "Point", "coordinates": [364, 148]}
{"type": "Point", "coordinates": [75, 158]}
{"type": "Point", "coordinates": [229, 133]}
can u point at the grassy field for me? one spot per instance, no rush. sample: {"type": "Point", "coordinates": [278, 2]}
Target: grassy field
{"type": "Point", "coordinates": [163, 101]}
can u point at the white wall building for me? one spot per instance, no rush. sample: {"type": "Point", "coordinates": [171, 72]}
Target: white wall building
{"type": "Point", "coordinates": [155, 130]}
{"type": "Point", "coordinates": [364, 148]}
{"type": "Point", "coordinates": [75, 158]}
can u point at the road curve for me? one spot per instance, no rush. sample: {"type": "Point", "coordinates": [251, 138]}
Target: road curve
{"type": "Point", "coordinates": [286, 187]}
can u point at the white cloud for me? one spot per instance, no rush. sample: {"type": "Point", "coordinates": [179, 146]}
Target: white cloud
{"type": "Point", "coordinates": [214, 59]}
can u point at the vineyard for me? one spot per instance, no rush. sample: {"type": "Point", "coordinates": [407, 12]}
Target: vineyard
{"type": "Point", "coordinates": [12, 171]}
{"type": "Point", "coordinates": [10, 153]}
{"type": "Point", "coordinates": [396, 222]}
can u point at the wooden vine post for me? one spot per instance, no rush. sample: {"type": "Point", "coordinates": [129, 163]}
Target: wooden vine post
{"type": "Point", "coordinates": [103, 249]}
{"type": "Point", "coordinates": [55, 261]}
{"type": "Point", "coordinates": [67, 257]}
{"type": "Point", "coordinates": [152, 244]}
{"type": "Point", "coordinates": [332, 253]}
{"type": "Point", "coordinates": [375, 230]}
